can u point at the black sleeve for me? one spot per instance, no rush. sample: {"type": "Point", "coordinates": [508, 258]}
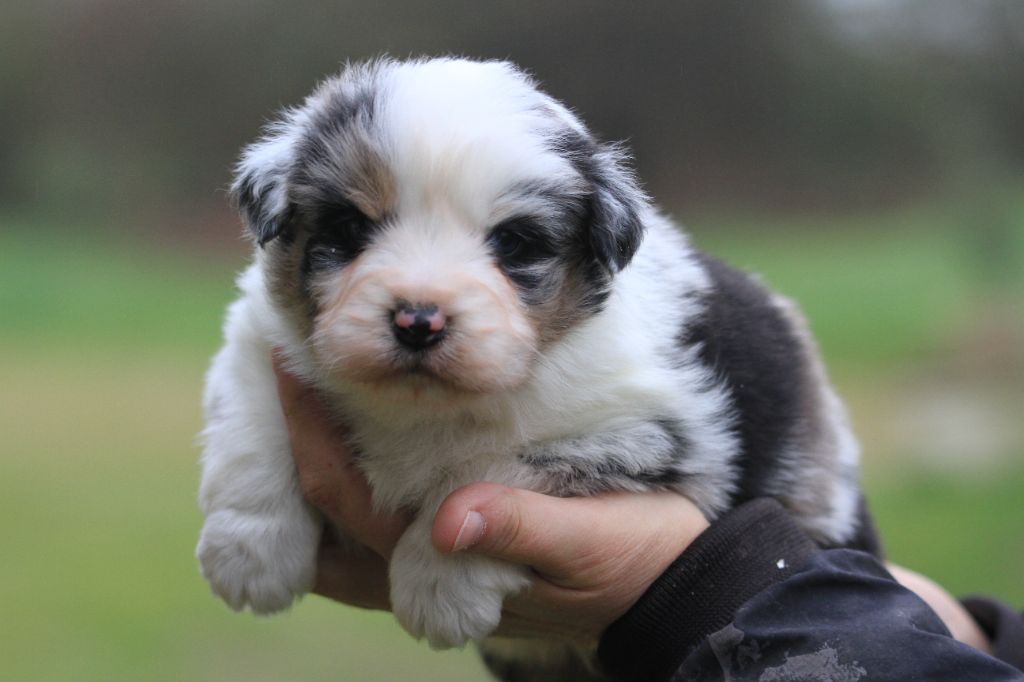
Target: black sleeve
{"type": "Point", "coordinates": [1004, 627]}
{"type": "Point", "coordinates": [753, 598]}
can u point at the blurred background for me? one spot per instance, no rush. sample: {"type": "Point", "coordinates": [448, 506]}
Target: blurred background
{"type": "Point", "coordinates": [865, 156]}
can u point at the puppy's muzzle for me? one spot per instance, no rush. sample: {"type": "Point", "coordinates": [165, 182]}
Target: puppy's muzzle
{"type": "Point", "coordinates": [418, 326]}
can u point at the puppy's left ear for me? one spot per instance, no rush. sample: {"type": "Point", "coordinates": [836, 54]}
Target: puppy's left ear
{"type": "Point", "coordinates": [260, 188]}
{"type": "Point", "coordinates": [617, 204]}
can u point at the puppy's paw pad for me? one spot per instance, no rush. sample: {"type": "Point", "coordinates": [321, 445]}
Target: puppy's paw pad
{"type": "Point", "coordinates": [253, 561]}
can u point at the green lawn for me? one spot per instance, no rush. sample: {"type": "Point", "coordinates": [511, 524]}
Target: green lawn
{"type": "Point", "coordinates": [965, 532]}
{"type": "Point", "coordinates": [102, 351]}
{"type": "Point", "coordinates": [879, 291]}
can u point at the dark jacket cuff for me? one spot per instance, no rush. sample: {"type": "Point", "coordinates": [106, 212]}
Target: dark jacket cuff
{"type": "Point", "coordinates": [745, 551]}
{"type": "Point", "coordinates": [1004, 627]}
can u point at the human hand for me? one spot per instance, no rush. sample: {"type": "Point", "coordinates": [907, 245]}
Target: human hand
{"type": "Point", "coordinates": [592, 557]}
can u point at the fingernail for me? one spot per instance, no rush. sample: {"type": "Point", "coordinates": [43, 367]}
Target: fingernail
{"type": "Point", "coordinates": [472, 530]}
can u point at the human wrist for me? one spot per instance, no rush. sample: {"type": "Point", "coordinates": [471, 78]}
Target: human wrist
{"type": "Point", "coordinates": [739, 555]}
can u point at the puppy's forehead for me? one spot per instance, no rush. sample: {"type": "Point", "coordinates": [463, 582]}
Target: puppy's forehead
{"type": "Point", "coordinates": [467, 137]}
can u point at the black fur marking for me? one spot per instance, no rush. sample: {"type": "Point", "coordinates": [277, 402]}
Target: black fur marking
{"type": "Point", "coordinates": [595, 467]}
{"type": "Point", "coordinates": [343, 110]}
{"type": "Point", "coordinates": [253, 206]}
{"type": "Point", "coordinates": [553, 249]}
{"type": "Point", "coordinates": [596, 295]}
{"type": "Point", "coordinates": [334, 150]}
{"type": "Point", "coordinates": [615, 231]}
{"type": "Point", "coordinates": [340, 232]}
{"type": "Point", "coordinates": [524, 250]}
{"type": "Point", "coordinates": [533, 284]}
{"type": "Point", "coordinates": [674, 430]}
{"type": "Point", "coordinates": [519, 242]}
{"type": "Point", "coordinates": [571, 477]}
{"type": "Point", "coordinates": [613, 212]}
{"type": "Point", "coordinates": [752, 347]}
{"type": "Point", "coordinates": [570, 234]}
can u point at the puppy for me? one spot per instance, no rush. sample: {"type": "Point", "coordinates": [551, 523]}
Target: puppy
{"type": "Point", "coordinates": [481, 292]}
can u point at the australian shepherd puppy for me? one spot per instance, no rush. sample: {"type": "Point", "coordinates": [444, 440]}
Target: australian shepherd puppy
{"type": "Point", "coordinates": [481, 291]}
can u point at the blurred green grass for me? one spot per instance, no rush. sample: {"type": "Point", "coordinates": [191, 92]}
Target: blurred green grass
{"type": "Point", "coordinates": [82, 289]}
{"type": "Point", "coordinates": [965, 532]}
{"type": "Point", "coordinates": [104, 344]}
{"type": "Point", "coordinates": [884, 290]}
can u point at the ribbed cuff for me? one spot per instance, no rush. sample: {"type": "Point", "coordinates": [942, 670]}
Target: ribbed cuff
{"type": "Point", "coordinates": [1004, 627]}
{"type": "Point", "coordinates": [742, 553]}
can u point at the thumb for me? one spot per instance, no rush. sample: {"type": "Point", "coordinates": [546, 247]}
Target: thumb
{"type": "Point", "coordinates": [515, 525]}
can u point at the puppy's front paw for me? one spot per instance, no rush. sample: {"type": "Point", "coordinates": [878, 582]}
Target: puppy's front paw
{"type": "Point", "coordinates": [258, 561]}
{"type": "Point", "coordinates": [451, 600]}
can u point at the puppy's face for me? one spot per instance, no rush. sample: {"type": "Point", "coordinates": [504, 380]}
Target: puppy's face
{"type": "Point", "coordinates": [436, 224]}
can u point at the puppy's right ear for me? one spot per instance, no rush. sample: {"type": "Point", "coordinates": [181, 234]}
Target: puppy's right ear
{"type": "Point", "coordinates": [260, 188]}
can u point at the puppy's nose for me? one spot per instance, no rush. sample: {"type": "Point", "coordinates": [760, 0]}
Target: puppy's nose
{"type": "Point", "coordinates": [418, 326]}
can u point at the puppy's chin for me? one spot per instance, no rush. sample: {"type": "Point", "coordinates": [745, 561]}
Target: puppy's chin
{"type": "Point", "coordinates": [413, 397]}
{"type": "Point", "coordinates": [433, 380]}
{"type": "Point", "coordinates": [417, 390]}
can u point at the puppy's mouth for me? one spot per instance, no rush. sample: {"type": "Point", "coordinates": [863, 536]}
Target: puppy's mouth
{"type": "Point", "coordinates": [427, 369]}
{"type": "Point", "coordinates": [416, 370]}
{"type": "Point", "coordinates": [431, 372]}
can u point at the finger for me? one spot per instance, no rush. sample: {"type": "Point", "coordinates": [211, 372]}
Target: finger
{"type": "Point", "coordinates": [328, 475]}
{"type": "Point", "coordinates": [561, 538]}
{"type": "Point", "coordinates": [505, 523]}
{"type": "Point", "coordinates": [356, 579]}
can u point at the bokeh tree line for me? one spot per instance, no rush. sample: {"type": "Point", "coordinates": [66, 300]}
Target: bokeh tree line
{"type": "Point", "coordinates": [128, 111]}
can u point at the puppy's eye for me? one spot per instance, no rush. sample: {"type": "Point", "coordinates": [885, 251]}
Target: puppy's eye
{"type": "Point", "coordinates": [507, 244]}
{"type": "Point", "coordinates": [341, 234]}
{"type": "Point", "coordinates": [518, 242]}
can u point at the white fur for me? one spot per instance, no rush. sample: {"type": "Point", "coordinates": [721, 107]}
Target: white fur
{"type": "Point", "coordinates": [258, 545]}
